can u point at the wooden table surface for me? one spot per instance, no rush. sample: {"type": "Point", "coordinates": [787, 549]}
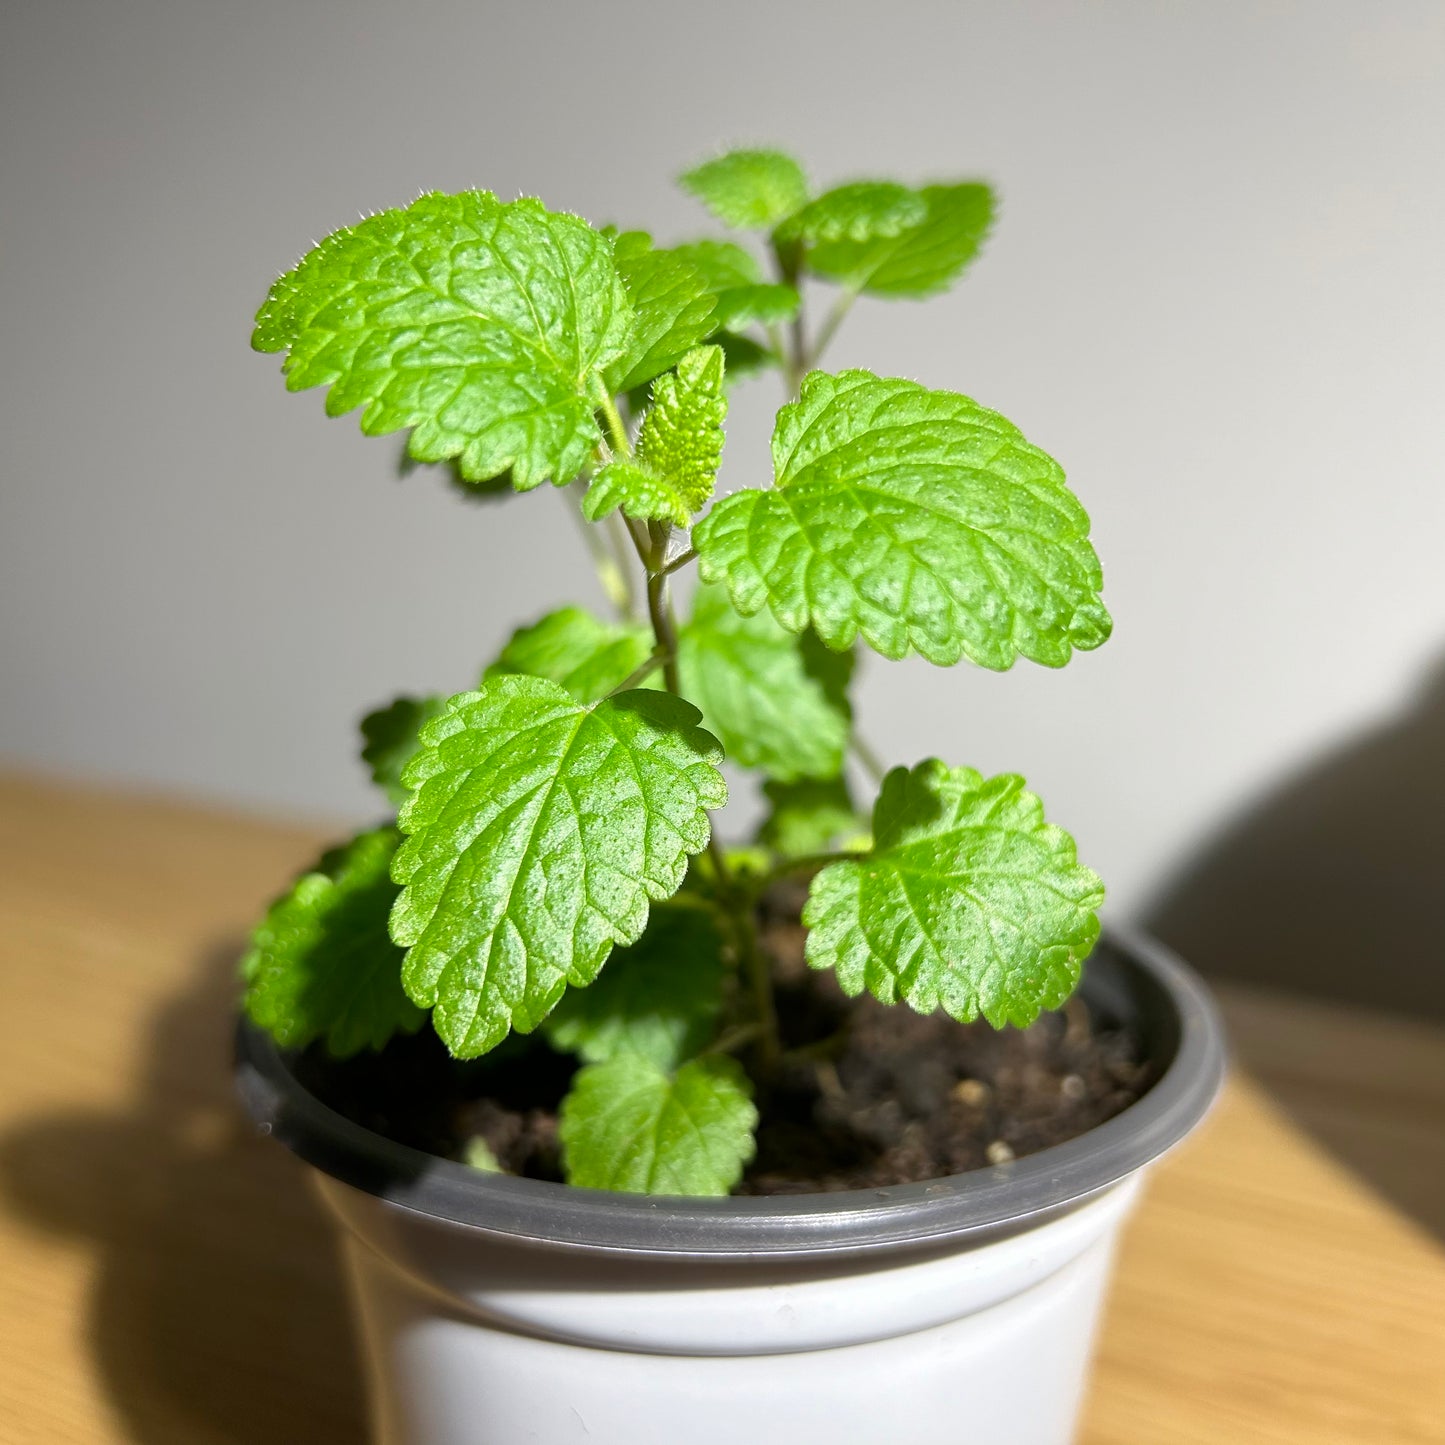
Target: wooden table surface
{"type": "Point", "coordinates": [166, 1279]}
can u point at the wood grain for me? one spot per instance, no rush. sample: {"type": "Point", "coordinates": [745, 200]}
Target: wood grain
{"type": "Point", "coordinates": [166, 1279]}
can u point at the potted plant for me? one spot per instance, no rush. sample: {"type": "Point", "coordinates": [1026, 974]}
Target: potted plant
{"type": "Point", "coordinates": [635, 1136]}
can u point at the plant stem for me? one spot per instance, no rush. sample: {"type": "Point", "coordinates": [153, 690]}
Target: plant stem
{"type": "Point", "coordinates": [789, 260]}
{"type": "Point", "coordinates": [651, 542]}
{"type": "Point", "coordinates": [612, 573]}
{"type": "Point", "coordinates": [732, 1039]}
{"type": "Point", "coordinates": [664, 628]}
{"type": "Point", "coordinates": [616, 428]}
{"type": "Point", "coordinates": [760, 978]}
{"type": "Point", "coordinates": [680, 561]}
{"type": "Point", "coordinates": [640, 674]}
{"type": "Point", "coordinates": [797, 865]}
{"type": "Point", "coordinates": [616, 534]}
{"type": "Point", "coordinates": [829, 328]}
{"type": "Point", "coordinates": [799, 366]}
{"type": "Point", "coordinates": [872, 763]}
{"type": "Point", "coordinates": [827, 1048]}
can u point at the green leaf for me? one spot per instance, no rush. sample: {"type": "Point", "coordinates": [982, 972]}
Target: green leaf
{"type": "Point", "coordinates": [922, 260]}
{"type": "Point", "coordinates": [485, 326]}
{"type": "Point", "coordinates": [741, 306]}
{"type": "Point", "coordinates": [630, 1126]}
{"type": "Point", "coordinates": [749, 189]}
{"type": "Point", "coordinates": [673, 307]}
{"type": "Point", "coordinates": [808, 816]}
{"type": "Point", "coordinates": [679, 448]}
{"type": "Point", "coordinates": [858, 211]}
{"type": "Point", "coordinates": [640, 493]}
{"type": "Point", "coordinates": [321, 964]}
{"type": "Point", "coordinates": [736, 280]}
{"type": "Point", "coordinates": [477, 1154]}
{"type": "Point", "coordinates": [776, 701]}
{"type": "Point", "coordinates": [570, 646]}
{"type": "Point", "coordinates": [681, 436]}
{"type": "Point", "coordinates": [658, 999]}
{"type": "Point", "coordinates": [967, 902]}
{"type": "Point", "coordinates": [724, 265]}
{"type": "Point", "coordinates": [390, 735]}
{"type": "Point", "coordinates": [743, 357]}
{"type": "Point", "coordinates": [917, 518]}
{"type": "Point", "coordinates": [539, 829]}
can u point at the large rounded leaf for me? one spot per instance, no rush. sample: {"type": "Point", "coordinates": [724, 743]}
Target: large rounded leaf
{"type": "Point", "coordinates": [968, 901]}
{"type": "Point", "coordinates": [539, 830]}
{"type": "Point", "coordinates": [484, 325]}
{"type": "Point", "coordinates": [916, 518]}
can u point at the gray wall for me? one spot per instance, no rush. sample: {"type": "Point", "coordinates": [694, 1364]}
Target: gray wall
{"type": "Point", "coordinates": [1215, 292]}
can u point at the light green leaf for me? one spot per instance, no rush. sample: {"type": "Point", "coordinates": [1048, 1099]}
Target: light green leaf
{"type": "Point", "coordinates": [477, 1154]}
{"type": "Point", "coordinates": [570, 646]}
{"type": "Point", "coordinates": [658, 999]}
{"type": "Point", "coordinates": [630, 1126]}
{"type": "Point", "coordinates": [736, 280]}
{"type": "Point", "coordinates": [858, 211]}
{"type": "Point", "coordinates": [640, 493]}
{"type": "Point", "coordinates": [390, 735]}
{"type": "Point", "coordinates": [672, 304]}
{"type": "Point", "coordinates": [539, 829]}
{"type": "Point", "coordinates": [922, 260]}
{"type": "Point", "coordinates": [967, 902]}
{"type": "Point", "coordinates": [743, 356]}
{"type": "Point", "coordinates": [483, 325]}
{"type": "Point", "coordinates": [917, 518]}
{"type": "Point", "coordinates": [679, 447]}
{"type": "Point", "coordinates": [808, 816]}
{"type": "Point", "coordinates": [767, 305]}
{"type": "Point", "coordinates": [749, 189]}
{"type": "Point", "coordinates": [724, 264]}
{"type": "Point", "coordinates": [776, 701]}
{"type": "Point", "coordinates": [321, 964]}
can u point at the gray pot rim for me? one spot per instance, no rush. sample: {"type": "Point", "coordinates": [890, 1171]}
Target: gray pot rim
{"type": "Point", "coordinates": [1184, 1037]}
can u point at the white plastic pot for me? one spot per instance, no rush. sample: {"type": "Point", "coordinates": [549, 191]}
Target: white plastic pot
{"type": "Point", "coordinates": [497, 1310]}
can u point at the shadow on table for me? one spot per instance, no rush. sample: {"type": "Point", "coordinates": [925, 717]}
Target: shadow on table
{"type": "Point", "coordinates": [1331, 886]}
{"type": "Point", "coordinates": [218, 1311]}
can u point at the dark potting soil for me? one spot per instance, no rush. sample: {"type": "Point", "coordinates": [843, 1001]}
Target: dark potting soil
{"type": "Point", "coordinates": [869, 1095]}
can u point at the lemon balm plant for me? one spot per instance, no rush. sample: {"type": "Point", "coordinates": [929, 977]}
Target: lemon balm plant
{"type": "Point", "coordinates": [553, 867]}
{"type": "Point", "coordinates": [551, 906]}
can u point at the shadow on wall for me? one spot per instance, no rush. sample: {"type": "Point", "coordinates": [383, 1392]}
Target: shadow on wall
{"type": "Point", "coordinates": [219, 1314]}
{"type": "Point", "coordinates": [1327, 892]}
{"type": "Point", "coordinates": [1333, 884]}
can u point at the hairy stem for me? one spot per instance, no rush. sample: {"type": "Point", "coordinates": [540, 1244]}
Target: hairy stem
{"type": "Point", "coordinates": [617, 437]}
{"type": "Point", "coordinates": [664, 627]}
{"type": "Point", "coordinates": [680, 561]}
{"type": "Point", "coordinates": [651, 542]}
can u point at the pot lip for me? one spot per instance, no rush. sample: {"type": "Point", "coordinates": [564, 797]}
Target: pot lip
{"type": "Point", "coordinates": [981, 1205]}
